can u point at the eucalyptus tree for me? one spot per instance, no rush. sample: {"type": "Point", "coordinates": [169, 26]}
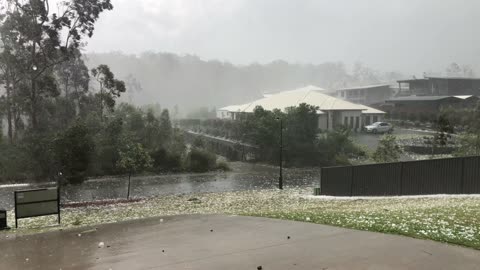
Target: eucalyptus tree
{"type": "Point", "coordinates": [39, 38]}
{"type": "Point", "coordinates": [110, 88]}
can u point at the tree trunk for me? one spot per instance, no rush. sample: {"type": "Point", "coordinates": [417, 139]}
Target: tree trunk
{"type": "Point", "coordinates": [9, 110]}
{"type": "Point", "coordinates": [101, 102]}
{"type": "Point", "coordinates": [33, 106]}
{"type": "Point", "coordinates": [66, 88]}
{"type": "Point", "coordinates": [16, 119]}
{"type": "Point", "coordinates": [128, 190]}
{"type": "Point", "coordinates": [33, 93]}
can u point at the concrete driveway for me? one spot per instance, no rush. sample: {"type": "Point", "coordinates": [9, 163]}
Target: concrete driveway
{"type": "Point", "coordinates": [227, 242]}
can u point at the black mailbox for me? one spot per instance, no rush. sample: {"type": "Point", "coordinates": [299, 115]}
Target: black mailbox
{"type": "Point", "coordinates": [3, 219]}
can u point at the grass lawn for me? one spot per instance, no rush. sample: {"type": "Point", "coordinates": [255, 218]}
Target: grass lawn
{"type": "Point", "coordinates": [451, 219]}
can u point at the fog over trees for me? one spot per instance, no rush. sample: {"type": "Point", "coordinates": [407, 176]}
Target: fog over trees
{"type": "Point", "coordinates": [191, 81]}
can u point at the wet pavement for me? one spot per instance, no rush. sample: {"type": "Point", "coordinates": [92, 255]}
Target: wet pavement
{"type": "Point", "coordinates": [227, 242]}
{"type": "Point", "coordinates": [244, 176]}
{"type": "Point", "coordinates": [371, 140]}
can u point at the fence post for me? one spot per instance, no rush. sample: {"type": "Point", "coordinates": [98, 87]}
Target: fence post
{"type": "Point", "coordinates": [462, 176]}
{"type": "Point", "coordinates": [320, 186]}
{"type": "Point", "coordinates": [351, 182]}
{"type": "Point", "coordinates": [401, 178]}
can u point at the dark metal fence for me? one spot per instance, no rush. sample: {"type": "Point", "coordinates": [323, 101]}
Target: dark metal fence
{"type": "Point", "coordinates": [437, 176]}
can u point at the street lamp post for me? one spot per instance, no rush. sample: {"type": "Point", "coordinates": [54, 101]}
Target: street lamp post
{"type": "Point", "coordinates": [280, 178]}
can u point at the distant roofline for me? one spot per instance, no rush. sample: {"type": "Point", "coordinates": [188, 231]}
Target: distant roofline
{"type": "Point", "coordinates": [452, 78]}
{"type": "Point", "coordinates": [421, 98]}
{"type": "Point", "coordinates": [440, 78]}
{"type": "Point", "coordinates": [412, 80]}
{"type": "Point", "coordinates": [363, 87]}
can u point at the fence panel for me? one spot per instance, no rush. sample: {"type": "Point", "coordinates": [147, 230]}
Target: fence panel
{"type": "Point", "coordinates": [471, 175]}
{"type": "Point", "coordinates": [377, 179]}
{"type": "Point", "coordinates": [336, 181]}
{"type": "Point", "coordinates": [437, 176]}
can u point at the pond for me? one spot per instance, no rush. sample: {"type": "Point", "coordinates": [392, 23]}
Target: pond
{"type": "Point", "coordinates": [244, 176]}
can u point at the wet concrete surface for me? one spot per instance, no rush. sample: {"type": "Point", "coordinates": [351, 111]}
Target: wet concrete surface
{"type": "Point", "coordinates": [371, 140]}
{"type": "Point", "coordinates": [244, 176]}
{"type": "Point", "coordinates": [227, 242]}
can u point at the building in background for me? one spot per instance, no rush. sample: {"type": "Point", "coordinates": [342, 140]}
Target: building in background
{"type": "Point", "coordinates": [425, 108]}
{"type": "Point", "coordinates": [441, 86]}
{"type": "Point", "coordinates": [367, 95]}
{"type": "Point", "coordinates": [331, 112]}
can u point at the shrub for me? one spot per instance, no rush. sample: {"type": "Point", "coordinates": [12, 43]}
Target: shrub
{"type": "Point", "coordinates": [198, 142]}
{"type": "Point", "coordinates": [388, 150]}
{"type": "Point", "coordinates": [12, 163]}
{"type": "Point", "coordinates": [164, 160]}
{"type": "Point", "coordinates": [199, 160]}
{"type": "Point", "coordinates": [223, 166]}
{"type": "Point", "coordinates": [73, 149]}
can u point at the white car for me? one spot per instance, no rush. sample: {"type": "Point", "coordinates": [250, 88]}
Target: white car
{"type": "Point", "coordinates": [379, 127]}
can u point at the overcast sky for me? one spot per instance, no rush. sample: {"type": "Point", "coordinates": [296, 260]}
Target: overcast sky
{"type": "Point", "coordinates": [410, 36]}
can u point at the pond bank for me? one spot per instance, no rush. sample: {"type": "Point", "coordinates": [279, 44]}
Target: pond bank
{"type": "Point", "coordinates": [451, 219]}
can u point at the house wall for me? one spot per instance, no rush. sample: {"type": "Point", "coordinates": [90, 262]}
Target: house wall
{"type": "Point", "coordinates": [350, 119]}
{"type": "Point", "coordinates": [445, 87]}
{"type": "Point", "coordinates": [462, 87]}
{"type": "Point", "coordinates": [366, 96]}
{"type": "Point", "coordinates": [225, 114]}
{"type": "Point", "coordinates": [368, 119]}
{"type": "Point", "coordinates": [222, 114]}
{"type": "Point", "coordinates": [419, 88]}
{"type": "Point", "coordinates": [438, 87]}
{"type": "Point", "coordinates": [378, 94]}
{"type": "Point", "coordinates": [322, 122]}
{"type": "Point", "coordinates": [421, 109]}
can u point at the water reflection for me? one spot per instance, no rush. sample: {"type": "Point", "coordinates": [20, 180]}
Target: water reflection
{"type": "Point", "coordinates": [243, 177]}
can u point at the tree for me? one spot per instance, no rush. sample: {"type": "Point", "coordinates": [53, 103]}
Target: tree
{"type": "Point", "coordinates": [454, 70]}
{"type": "Point", "coordinates": [201, 160]}
{"type": "Point", "coordinates": [468, 71]}
{"type": "Point", "coordinates": [152, 131]}
{"type": "Point", "coordinates": [9, 77]}
{"type": "Point", "coordinates": [443, 132]}
{"type": "Point", "coordinates": [165, 135]}
{"type": "Point", "coordinates": [470, 140]}
{"type": "Point", "coordinates": [363, 74]}
{"type": "Point", "coordinates": [73, 150]}
{"type": "Point", "coordinates": [110, 88]}
{"type": "Point", "coordinates": [301, 129]}
{"type": "Point", "coordinates": [387, 150]}
{"type": "Point", "coordinates": [40, 44]}
{"type": "Point", "coordinates": [133, 86]}
{"type": "Point", "coordinates": [133, 159]}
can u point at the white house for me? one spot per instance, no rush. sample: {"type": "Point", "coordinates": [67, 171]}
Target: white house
{"type": "Point", "coordinates": [331, 112]}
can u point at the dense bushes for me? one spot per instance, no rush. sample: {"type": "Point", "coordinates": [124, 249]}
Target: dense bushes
{"type": "Point", "coordinates": [92, 146]}
{"type": "Point", "coordinates": [12, 163]}
{"type": "Point", "coordinates": [200, 160]}
{"type": "Point", "coordinates": [164, 160]}
{"type": "Point", "coordinates": [73, 150]}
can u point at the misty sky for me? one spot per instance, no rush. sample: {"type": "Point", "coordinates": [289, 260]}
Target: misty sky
{"type": "Point", "coordinates": [410, 36]}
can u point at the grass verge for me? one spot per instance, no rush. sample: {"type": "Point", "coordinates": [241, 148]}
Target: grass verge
{"type": "Point", "coordinates": [447, 219]}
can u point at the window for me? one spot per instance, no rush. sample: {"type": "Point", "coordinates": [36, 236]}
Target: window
{"type": "Point", "coordinates": [351, 121]}
{"type": "Point", "coordinates": [345, 121]}
{"type": "Point", "coordinates": [375, 118]}
{"type": "Point", "coordinates": [357, 122]}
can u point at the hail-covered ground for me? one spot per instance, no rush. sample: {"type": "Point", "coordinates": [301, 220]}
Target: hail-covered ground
{"type": "Point", "coordinates": [452, 219]}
